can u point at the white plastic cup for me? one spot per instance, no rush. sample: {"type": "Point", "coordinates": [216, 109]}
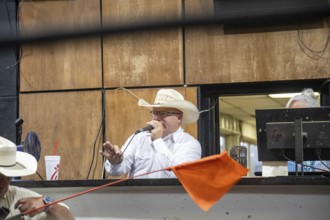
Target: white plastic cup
{"type": "Point", "coordinates": [52, 167]}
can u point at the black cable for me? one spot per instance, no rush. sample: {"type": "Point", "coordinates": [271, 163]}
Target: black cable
{"type": "Point", "coordinates": [103, 89]}
{"type": "Point", "coordinates": [39, 176]}
{"type": "Point", "coordinates": [304, 165]}
{"type": "Point", "coordinates": [313, 54]}
{"type": "Point", "coordinates": [94, 146]}
{"type": "Point", "coordinates": [101, 136]}
{"type": "Point", "coordinates": [100, 143]}
{"type": "Point", "coordinates": [319, 156]}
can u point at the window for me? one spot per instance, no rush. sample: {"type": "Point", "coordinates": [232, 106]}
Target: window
{"type": "Point", "coordinates": [232, 120]}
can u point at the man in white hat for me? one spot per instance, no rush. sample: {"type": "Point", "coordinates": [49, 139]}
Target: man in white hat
{"type": "Point", "coordinates": [16, 200]}
{"type": "Point", "coordinates": [166, 144]}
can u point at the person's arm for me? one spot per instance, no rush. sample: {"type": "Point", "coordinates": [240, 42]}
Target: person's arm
{"type": "Point", "coordinates": [119, 163]}
{"type": "Point", "coordinates": [185, 152]}
{"type": "Point", "coordinates": [59, 212]}
{"type": "Point", "coordinates": [112, 153]}
{"type": "Point", "coordinates": [53, 212]}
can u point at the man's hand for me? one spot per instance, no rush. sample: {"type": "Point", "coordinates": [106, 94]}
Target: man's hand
{"type": "Point", "coordinates": [28, 204]}
{"type": "Point", "coordinates": [158, 130]}
{"type": "Point", "coordinates": [55, 211]}
{"type": "Point", "coordinates": [112, 153]}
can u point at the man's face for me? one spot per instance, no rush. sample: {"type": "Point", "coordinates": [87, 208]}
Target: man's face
{"type": "Point", "coordinates": [4, 183]}
{"type": "Point", "coordinates": [171, 119]}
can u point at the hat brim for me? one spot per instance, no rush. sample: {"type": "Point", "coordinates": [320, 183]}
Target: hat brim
{"type": "Point", "coordinates": [26, 165]}
{"type": "Point", "coordinates": [189, 110]}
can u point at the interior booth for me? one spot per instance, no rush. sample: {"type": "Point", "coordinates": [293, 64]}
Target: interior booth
{"type": "Point", "coordinates": [296, 195]}
{"type": "Point", "coordinates": [82, 89]}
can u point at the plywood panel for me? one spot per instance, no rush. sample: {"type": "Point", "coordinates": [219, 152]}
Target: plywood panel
{"type": "Point", "coordinates": [213, 57]}
{"type": "Point", "coordinates": [67, 64]}
{"type": "Point", "coordinates": [70, 121]}
{"type": "Point", "coordinates": [124, 116]}
{"type": "Point", "coordinates": [144, 58]}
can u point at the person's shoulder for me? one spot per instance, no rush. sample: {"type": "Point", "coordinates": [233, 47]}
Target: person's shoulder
{"type": "Point", "coordinates": [14, 188]}
{"type": "Point", "coordinates": [22, 191]}
{"type": "Point", "coordinates": [188, 137]}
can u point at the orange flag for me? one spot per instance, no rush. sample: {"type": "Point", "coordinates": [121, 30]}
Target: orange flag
{"type": "Point", "coordinates": [208, 179]}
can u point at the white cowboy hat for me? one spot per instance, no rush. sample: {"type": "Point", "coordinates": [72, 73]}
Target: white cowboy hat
{"type": "Point", "coordinates": [170, 98]}
{"type": "Point", "coordinates": [14, 163]}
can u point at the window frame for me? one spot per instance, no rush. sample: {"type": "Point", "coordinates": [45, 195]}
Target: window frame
{"type": "Point", "coordinates": [208, 125]}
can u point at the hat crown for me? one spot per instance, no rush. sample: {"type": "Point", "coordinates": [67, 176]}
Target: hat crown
{"type": "Point", "coordinates": [167, 95]}
{"type": "Point", "coordinates": [7, 152]}
{"type": "Point", "coordinates": [170, 98]}
{"type": "Point", "coordinates": [15, 163]}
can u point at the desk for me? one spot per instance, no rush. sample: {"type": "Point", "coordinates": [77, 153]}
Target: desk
{"type": "Point", "coordinates": [255, 198]}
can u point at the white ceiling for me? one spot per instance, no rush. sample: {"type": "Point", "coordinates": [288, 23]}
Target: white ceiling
{"type": "Point", "coordinates": [243, 107]}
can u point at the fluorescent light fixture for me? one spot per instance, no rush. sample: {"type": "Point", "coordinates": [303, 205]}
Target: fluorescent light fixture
{"type": "Point", "coordinates": [287, 95]}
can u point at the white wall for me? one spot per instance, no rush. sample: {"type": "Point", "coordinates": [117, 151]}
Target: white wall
{"type": "Point", "coordinates": [255, 202]}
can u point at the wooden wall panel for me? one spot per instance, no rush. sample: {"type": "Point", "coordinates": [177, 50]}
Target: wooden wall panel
{"type": "Point", "coordinates": [141, 60]}
{"type": "Point", "coordinates": [146, 58]}
{"type": "Point", "coordinates": [71, 119]}
{"type": "Point", "coordinates": [213, 57]}
{"type": "Point", "coordinates": [67, 64]}
{"type": "Point", "coordinates": [124, 116]}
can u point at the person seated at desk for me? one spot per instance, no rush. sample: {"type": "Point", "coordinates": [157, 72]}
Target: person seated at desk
{"type": "Point", "coordinates": [165, 145]}
{"type": "Point", "coordinates": [15, 200]}
{"type": "Point", "coordinates": [306, 99]}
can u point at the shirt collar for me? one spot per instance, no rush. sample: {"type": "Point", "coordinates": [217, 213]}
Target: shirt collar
{"type": "Point", "coordinates": [173, 136]}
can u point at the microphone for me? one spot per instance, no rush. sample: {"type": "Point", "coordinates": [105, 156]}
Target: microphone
{"type": "Point", "coordinates": [146, 128]}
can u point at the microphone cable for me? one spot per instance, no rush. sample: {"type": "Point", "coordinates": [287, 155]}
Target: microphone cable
{"type": "Point", "coordinates": [122, 153]}
{"type": "Point", "coordinates": [326, 166]}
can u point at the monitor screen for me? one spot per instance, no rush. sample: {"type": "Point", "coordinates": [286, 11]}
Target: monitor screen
{"type": "Point", "coordinates": [293, 134]}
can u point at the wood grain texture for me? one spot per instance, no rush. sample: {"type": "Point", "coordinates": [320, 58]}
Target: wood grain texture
{"type": "Point", "coordinates": [213, 57]}
{"type": "Point", "coordinates": [145, 58]}
{"type": "Point", "coordinates": [69, 120]}
{"type": "Point", "coordinates": [124, 116]}
{"type": "Point", "coordinates": [140, 60]}
{"type": "Point", "coordinates": [71, 64]}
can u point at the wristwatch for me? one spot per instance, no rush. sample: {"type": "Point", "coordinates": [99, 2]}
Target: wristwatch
{"type": "Point", "coordinates": [47, 200]}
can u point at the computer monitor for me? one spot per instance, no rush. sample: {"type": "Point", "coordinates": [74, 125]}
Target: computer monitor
{"type": "Point", "coordinates": [297, 134]}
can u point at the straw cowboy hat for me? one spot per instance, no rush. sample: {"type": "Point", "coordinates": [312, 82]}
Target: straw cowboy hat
{"type": "Point", "coordinates": [170, 98]}
{"type": "Point", "coordinates": [14, 163]}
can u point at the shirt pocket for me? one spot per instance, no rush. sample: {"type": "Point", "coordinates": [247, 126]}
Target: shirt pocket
{"type": "Point", "coordinates": [143, 156]}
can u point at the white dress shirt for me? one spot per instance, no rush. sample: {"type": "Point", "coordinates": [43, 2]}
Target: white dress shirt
{"type": "Point", "coordinates": [142, 155]}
